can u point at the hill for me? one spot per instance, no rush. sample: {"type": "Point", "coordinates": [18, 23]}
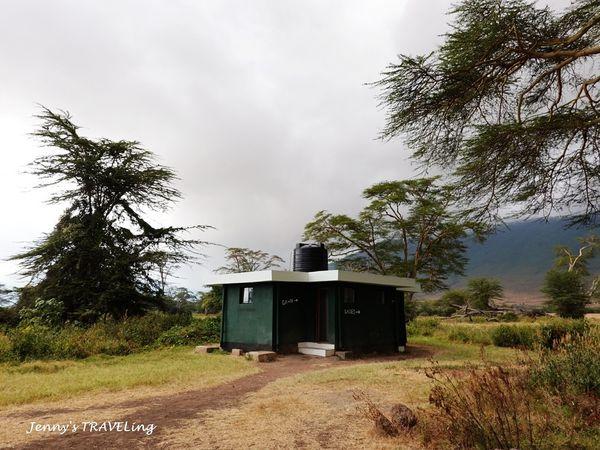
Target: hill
{"type": "Point", "coordinates": [520, 255]}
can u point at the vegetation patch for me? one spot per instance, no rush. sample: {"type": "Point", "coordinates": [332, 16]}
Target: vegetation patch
{"type": "Point", "coordinates": [34, 340]}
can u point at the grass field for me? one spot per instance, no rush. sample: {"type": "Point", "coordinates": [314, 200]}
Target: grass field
{"type": "Point", "coordinates": [60, 380]}
{"type": "Point", "coordinates": [313, 409]}
{"type": "Point", "coordinates": [317, 409]}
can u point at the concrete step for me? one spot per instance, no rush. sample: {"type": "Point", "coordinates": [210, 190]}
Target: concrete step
{"type": "Point", "coordinates": [319, 345]}
{"type": "Point", "coordinates": [316, 351]}
{"type": "Point", "coordinates": [262, 356]}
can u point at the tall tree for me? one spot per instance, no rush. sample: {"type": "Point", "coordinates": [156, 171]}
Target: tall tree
{"type": "Point", "coordinates": [510, 101]}
{"type": "Point", "coordinates": [408, 228]}
{"type": "Point", "coordinates": [566, 293]}
{"type": "Point", "coordinates": [247, 260]}
{"type": "Point", "coordinates": [103, 256]}
{"type": "Point", "coordinates": [578, 261]}
{"type": "Point", "coordinates": [4, 294]}
{"type": "Point", "coordinates": [482, 292]}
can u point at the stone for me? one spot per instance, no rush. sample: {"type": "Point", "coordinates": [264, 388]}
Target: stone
{"type": "Point", "coordinates": [384, 427]}
{"type": "Point", "coordinates": [237, 352]}
{"type": "Point", "coordinates": [209, 348]}
{"type": "Point", "coordinates": [402, 416]}
{"type": "Point", "coordinates": [262, 356]}
{"type": "Point", "coordinates": [344, 354]}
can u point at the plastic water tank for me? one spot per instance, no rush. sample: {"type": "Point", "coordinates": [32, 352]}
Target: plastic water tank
{"type": "Point", "coordinates": [310, 257]}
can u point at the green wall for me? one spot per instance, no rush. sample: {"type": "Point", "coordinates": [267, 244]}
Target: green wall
{"type": "Point", "coordinates": [249, 324]}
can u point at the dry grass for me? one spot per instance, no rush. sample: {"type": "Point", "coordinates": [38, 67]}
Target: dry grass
{"type": "Point", "coordinates": [315, 410]}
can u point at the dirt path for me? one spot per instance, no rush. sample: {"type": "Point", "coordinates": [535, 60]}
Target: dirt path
{"type": "Point", "coordinates": [166, 411]}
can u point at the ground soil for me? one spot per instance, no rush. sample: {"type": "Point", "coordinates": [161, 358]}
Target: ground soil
{"type": "Point", "coordinates": [167, 410]}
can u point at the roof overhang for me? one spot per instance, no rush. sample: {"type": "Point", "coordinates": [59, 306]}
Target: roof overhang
{"type": "Point", "coordinates": [266, 276]}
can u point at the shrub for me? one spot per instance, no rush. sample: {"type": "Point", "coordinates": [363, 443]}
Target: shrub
{"type": "Point", "coordinates": [566, 293]}
{"type": "Point", "coordinates": [552, 332]}
{"type": "Point", "coordinates": [145, 330]}
{"type": "Point", "coordinates": [508, 316]}
{"type": "Point", "coordinates": [484, 409]}
{"type": "Point", "coordinates": [513, 336]}
{"type": "Point", "coordinates": [32, 341]}
{"type": "Point", "coordinates": [200, 331]}
{"type": "Point", "coordinates": [422, 326]}
{"type": "Point", "coordinates": [45, 311]}
{"type": "Point", "coordinates": [6, 353]}
{"type": "Point", "coordinates": [453, 298]}
{"type": "Point", "coordinates": [551, 402]}
{"type": "Point", "coordinates": [572, 368]}
{"type": "Point", "coordinates": [70, 343]}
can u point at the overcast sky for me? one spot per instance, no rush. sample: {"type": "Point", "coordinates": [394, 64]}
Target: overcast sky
{"type": "Point", "coordinates": [260, 106]}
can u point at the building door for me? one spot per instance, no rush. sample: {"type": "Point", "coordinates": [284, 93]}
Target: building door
{"type": "Point", "coordinates": [321, 316]}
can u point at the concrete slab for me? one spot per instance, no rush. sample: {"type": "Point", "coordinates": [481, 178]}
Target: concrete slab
{"type": "Point", "coordinates": [316, 351]}
{"type": "Point", "coordinates": [237, 352]}
{"type": "Point", "coordinates": [321, 345]}
{"type": "Point", "coordinates": [262, 356]}
{"type": "Point", "coordinates": [209, 348]}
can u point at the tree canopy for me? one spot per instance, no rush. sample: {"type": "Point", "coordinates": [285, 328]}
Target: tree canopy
{"type": "Point", "coordinates": [246, 260]}
{"type": "Point", "coordinates": [510, 102]}
{"type": "Point", "coordinates": [102, 257]}
{"type": "Point", "coordinates": [408, 228]}
{"type": "Point", "coordinates": [482, 292]}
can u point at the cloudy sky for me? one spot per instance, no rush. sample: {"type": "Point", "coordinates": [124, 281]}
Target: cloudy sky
{"type": "Point", "coordinates": [260, 106]}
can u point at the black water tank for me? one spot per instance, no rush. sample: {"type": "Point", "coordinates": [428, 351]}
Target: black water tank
{"type": "Point", "coordinates": [310, 257]}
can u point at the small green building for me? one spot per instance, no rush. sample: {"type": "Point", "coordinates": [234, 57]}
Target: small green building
{"type": "Point", "coordinates": [315, 313]}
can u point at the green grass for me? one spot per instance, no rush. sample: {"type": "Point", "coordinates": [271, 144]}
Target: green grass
{"type": "Point", "coordinates": [177, 367]}
{"type": "Point", "coordinates": [385, 374]}
{"type": "Point", "coordinates": [456, 354]}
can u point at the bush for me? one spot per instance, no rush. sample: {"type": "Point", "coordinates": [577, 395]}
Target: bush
{"type": "Point", "coordinates": [422, 326]}
{"type": "Point", "coordinates": [484, 409]}
{"type": "Point", "coordinates": [32, 341]}
{"type": "Point", "coordinates": [513, 336]}
{"type": "Point", "coordinates": [552, 332]}
{"type": "Point", "coordinates": [566, 293]}
{"type": "Point", "coordinates": [200, 331]}
{"type": "Point", "coordinates": [451, 299]}
{"type": "Point", "coordinates": [45, 311]}
{"type": "Point", "coordinates": [145, 330]}
{"type": "Point", "coordinates": [549, 402]}
{"type": "Point", "coordinates": [508, 316]}
{"type": "Point", "coordinates": [6, 348]}
{"type": "Point", "coordinates": [572, 368]}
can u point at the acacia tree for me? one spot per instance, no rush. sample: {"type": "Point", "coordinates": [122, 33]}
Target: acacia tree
{"type": "Point", "coordinates": [102, 257]}
{"type": "Point", "coordinates": [247, 260]}
{"type": "Point", "coordinates": [482, 292]}
{"type": "Point", "coordinates": [510, 101]}
{"type": "Point", "coordinates": [408, 228]}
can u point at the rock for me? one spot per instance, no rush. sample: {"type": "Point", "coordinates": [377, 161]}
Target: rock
{"type": "Point", "coordinates": [403, 417]}
{"type": "Point", "coordinates": [344, 354]}
{"type": "Point", "coordinates": [384, 426]}
{"type": "Point", "coordinates": [237, 352]}
{"type": "Point", "coordinates": [264, 356]}
{"type": "Point", "coordinates": [206, 348]}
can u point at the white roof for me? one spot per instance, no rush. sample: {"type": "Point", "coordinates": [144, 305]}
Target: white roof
{"type": "Point", "coordinates": [404, 284]}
